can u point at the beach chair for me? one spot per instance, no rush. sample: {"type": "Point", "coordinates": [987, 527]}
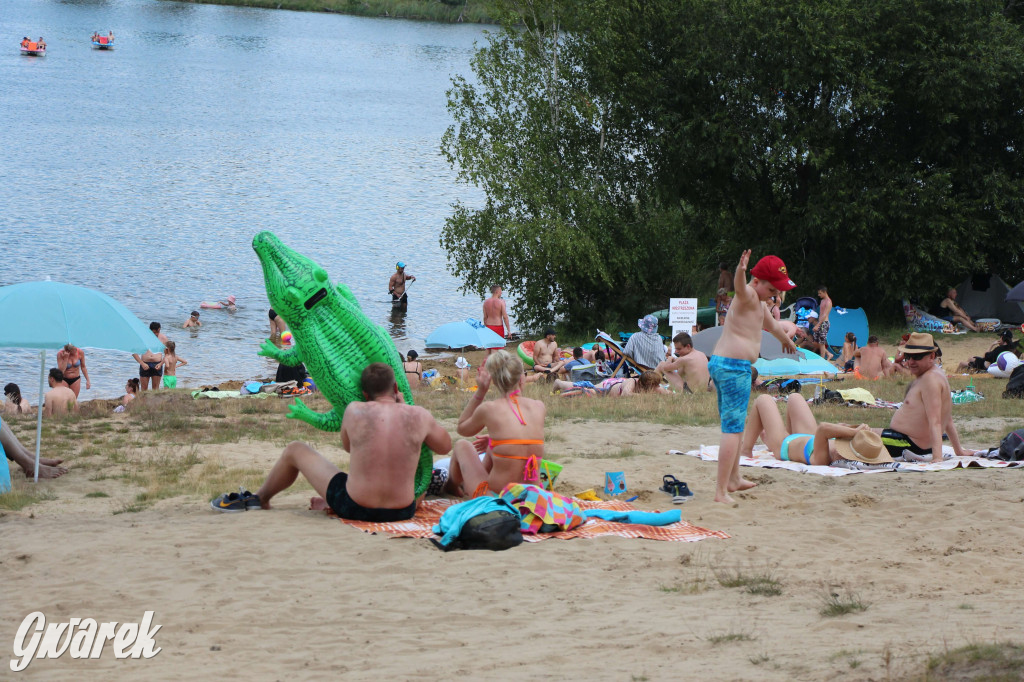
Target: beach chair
{"type": "Point", "coordinates": [624, 359]}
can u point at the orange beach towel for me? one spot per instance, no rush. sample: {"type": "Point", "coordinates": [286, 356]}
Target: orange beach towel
{"type": "Point", "coordinates": [429, 514]}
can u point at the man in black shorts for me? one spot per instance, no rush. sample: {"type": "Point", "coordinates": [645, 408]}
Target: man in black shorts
{"type": "Point", "coordinates": [383, 436]}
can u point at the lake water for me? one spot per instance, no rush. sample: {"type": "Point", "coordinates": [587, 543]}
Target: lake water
{"type": "Point", "coordinates": [145, 171]}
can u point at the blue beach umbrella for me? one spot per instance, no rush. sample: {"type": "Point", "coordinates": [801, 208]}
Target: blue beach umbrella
{"type": "Point", "coordinates": [464, 334]}
{"type": "Point", "coordinates": [48, 315]}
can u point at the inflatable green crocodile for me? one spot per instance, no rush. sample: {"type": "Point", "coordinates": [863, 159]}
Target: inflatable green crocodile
{"type": "Point", "coordinates": [332, 337]}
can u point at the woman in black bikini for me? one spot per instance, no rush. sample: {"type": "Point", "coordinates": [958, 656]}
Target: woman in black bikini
{"type": "Point", "coordinates": [514, 445]}
{"type": "Point", "coordinates": [71, 361]}
{"type": "Point", "coordinates": [413, 369]}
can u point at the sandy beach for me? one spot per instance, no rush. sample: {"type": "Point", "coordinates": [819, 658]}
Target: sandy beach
{"type": "Point", "coordinates": [930, 559]}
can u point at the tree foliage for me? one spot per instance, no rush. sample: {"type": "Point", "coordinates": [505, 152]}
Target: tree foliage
{"type": "Point", "coordinates": [874, 145]}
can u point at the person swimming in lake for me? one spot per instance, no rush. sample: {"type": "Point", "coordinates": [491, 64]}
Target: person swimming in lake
{"type": "Point", "coordinates": [192, 321]}
{"type": "Point", "coordinates": [514, 445]}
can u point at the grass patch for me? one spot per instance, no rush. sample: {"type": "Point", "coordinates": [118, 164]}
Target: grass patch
{"type": "Point", "coordinates": [995, 662]}
{"type": "Point", "coordinates": [14, 500]}
{"type": "Point", "coordinates": [97, 494]}
{"type": "Point", "coordinates": [839, 604]}
{"type": "Point", "coordinates": [132, 508]}
{"type": "Point", "coordinates": [726, 637]}
{"type": "Point", "coordinates": [762, 583]}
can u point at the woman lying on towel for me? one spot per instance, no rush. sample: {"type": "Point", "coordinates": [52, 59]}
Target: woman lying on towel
{"type": "Point", "coordinates": [514, 445]}
{"type": "Point", "coordinates": [648, 382]}
{"type": "Point", "coordinates": [801, 439]}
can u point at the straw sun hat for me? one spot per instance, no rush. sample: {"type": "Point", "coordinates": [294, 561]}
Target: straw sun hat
{"type": "Point", "coordinates": [865, 446]}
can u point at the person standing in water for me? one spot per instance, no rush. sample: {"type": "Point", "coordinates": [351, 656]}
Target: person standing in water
{"type": "Point", "coordinates": [397, 286]}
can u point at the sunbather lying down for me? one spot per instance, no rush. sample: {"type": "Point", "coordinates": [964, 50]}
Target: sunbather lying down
{"type": "Point", "coordinates": [801, 439]}
{"type": "Point", "coordinates": [648, 382]}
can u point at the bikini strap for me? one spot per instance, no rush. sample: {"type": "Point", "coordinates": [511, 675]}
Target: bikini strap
{"type": "Point", "coordinates": [513, 403]}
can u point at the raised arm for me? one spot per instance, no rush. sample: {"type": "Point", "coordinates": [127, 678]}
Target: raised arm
{"type": "Point", "coordinates": [471, 421]}
{"type": "Point", "coordinates": [739, 280]}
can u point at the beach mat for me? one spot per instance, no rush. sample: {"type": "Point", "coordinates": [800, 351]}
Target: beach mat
{"type": "Point", "coordinates": [763, 458]}
{"type": "Point", "coordinates": [429, 514]}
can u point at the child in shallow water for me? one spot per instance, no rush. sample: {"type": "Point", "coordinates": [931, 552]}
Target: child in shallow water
{"type": "Point", "coordinates": [171, 364]}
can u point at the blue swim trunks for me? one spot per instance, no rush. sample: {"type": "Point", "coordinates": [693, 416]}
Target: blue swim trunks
{"type": "Point", "coordinates": [732, 382]}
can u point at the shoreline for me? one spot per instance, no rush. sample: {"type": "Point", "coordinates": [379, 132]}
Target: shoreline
{"type": "Point", "coordinates": [413, 10]}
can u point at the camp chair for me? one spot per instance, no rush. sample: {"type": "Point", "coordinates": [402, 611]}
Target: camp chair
{"type": "Point", "coordinates": [624, 359]}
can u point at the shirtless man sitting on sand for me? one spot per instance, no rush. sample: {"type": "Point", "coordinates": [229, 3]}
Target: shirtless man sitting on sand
{"type": "Point", "coordinates": [689, 369]}
{"type": "Point", "coordinates": [874, 363]}
{"type": "Point", "coordinates": [383, 436]}
{"type": "Point", "coordinates": [545, 354]}
{"type": "Point", "coordinates": [927, 409]}
{"type": "Point", "coordinates": [60, 399]}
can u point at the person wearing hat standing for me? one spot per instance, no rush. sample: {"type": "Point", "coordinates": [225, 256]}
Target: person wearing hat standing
{"type": "Point", "coordinates": [927, 409]}
{"type": "Point", "coordinates": [646, 347]}
{"type": "Point", "coordinates": [396, 286]}
{"type": "Point", "coordinates": [735, 353]}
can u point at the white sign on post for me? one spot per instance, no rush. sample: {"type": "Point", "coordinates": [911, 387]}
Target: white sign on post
{"type": "Point", "coordinates": [682, 315]}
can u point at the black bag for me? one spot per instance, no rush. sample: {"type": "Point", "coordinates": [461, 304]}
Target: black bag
{"type": "Point", "coordinates": [1012, 447]}
{"type": "Point", "coordinates": [495, 530]}
{"type": "Point", "coordinates": [1015, 386]}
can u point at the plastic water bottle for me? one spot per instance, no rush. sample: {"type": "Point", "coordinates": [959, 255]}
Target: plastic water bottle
{"type": "Point", "coordinates": [817, 392]}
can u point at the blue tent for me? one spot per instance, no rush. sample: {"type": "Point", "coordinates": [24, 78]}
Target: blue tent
{"type": "Point", "coordinates": [842, 320]}
{"type": "Point", "coordinates": [809, 363]}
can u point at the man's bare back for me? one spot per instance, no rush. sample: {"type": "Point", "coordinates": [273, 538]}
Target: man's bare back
{"type": "Point", "coordinates": [494, 312]}
{"type": "Point", "coordinates": [58, 401]}
{"type": "Point", "coordinates": [873, 361]}
{"type": "Point", "coordinates": [384, 439]}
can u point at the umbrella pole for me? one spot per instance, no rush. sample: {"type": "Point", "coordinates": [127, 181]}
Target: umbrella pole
{"type": "Point", "coordinates": [39, 417]}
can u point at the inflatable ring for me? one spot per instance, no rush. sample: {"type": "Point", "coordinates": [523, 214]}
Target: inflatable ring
{"type": "Point", "coordinates": [525, 352]}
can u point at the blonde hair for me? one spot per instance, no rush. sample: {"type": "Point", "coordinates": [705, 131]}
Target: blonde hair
{"type": "Point", "coordinates": [505, 370]}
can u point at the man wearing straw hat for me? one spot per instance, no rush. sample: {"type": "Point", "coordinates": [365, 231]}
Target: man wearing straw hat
{"type": "Point", "coordinates": [927, 410]}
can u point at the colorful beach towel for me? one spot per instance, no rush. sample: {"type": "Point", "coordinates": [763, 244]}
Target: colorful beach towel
{"type": "Point", "coordinates": [430, 511]}
{"type": "Point", "coordinates": [763, 458]}
{"type": "Point", "coordinates": [539, 508]}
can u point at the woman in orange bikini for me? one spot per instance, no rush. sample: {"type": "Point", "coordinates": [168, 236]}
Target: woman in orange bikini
{"type": "Point", "coordinates": [514, 445]}
{"type": "Point", "coordinates": [71, 361]}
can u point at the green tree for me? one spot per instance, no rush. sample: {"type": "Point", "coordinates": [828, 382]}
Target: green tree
{"type": "Point", "coordinates": [872, 144]}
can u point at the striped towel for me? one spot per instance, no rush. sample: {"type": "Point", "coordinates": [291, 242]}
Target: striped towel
{"type": "Point", "coordinates": [429, 514]}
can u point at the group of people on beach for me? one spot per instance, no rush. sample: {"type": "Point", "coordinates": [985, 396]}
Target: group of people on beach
{"type": "Point", "coordinates": [379, 485]}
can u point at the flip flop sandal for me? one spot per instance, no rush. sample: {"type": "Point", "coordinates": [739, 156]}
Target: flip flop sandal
{"type": "Point", "coordinates": [669, 483]}
{"type": "Point", "coordinates": [682, 493]}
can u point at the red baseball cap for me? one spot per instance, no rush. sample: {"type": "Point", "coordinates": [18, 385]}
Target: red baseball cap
{"type": "Point", "coordinates": [771, 269]}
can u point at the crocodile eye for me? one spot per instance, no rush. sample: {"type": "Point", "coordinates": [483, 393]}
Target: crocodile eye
{"type": "Point", "coordinates": [320, 275]}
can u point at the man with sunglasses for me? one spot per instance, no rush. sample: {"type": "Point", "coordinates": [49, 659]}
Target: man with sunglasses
{"type": "Point", "coordinates": [926, 415]}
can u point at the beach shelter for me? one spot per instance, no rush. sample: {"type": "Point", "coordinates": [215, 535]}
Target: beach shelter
{"type": "Point", "coordinates": [48, 315]}
{"type": "Point", "coordinates": [843, 320]}
{"type": "Point", "coordinates": [464, 334]}
{"type": "Point", "coordinates": [705, 341]}
{"type": "Point", "coordinates": [807, 362]}
{"type": "Point", "coordinates": [984, 296]}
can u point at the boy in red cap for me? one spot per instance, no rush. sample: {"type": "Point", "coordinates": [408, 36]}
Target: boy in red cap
{"type": "Point", "coordinates": [736, 350]}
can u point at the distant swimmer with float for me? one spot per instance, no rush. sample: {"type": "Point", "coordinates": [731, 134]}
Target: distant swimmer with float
{"type": "Point", "coordinates": [229, 304]}
{"type": "Point", "coordinates": [397, 286]}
